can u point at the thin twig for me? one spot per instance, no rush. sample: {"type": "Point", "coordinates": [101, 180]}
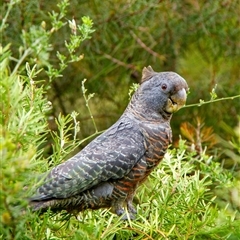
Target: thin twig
{"type": "Point", "coordinates": [91, 136]}
{"type": "Point", "coordinates": [26, 53]}
{"type": "Point", "coordinates": [120, 63]}
{"type": "Point", "coordinates": [148, 49]}
{"type": "Point", "coordinates": [211, 101]}
{"type": "Point", "coordinates": [87, 98]}
{"type": "Point", "coordinates": [4, 20]}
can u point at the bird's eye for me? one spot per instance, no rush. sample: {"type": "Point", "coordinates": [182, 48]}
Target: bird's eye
{"type": "Point", "coordinates": [164, 86]}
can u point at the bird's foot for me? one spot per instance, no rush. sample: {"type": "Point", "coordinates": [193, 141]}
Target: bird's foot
{"type": "Point", "coordinates": [125, 215]}
{"type": "Point", "coordinates": [119, 211]}
{"type": "Point", "coordinates": [131, 208]}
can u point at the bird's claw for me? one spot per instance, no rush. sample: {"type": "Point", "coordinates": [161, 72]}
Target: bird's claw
{"type": "Point", "coordinates": [131, 208]}
{"type": "Point", "coordinates": [119, 211]}
{"type": "Point", "coordinates": [126, 215]}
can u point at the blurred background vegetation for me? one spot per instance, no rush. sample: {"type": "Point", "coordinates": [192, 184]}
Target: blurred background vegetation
{"type": "Point", "coordinates": [197, 39]}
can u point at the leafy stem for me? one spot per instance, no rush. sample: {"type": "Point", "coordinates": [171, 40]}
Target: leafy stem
{"type": "Point", "coordinates": [202, 102]}
{"type": "Point", "coordinates": [87, 99]}
{"type": "Point", "coordinates": [4, 20]}
{"type": "Point", "coordinates": [91, 136]}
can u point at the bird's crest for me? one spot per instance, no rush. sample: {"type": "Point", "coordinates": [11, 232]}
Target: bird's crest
{"type": "Point", "coordinates": [147, 73]}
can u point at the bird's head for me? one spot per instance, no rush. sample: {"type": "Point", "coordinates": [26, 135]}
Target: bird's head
{"type": "Point", "coordinates": [161, 93]}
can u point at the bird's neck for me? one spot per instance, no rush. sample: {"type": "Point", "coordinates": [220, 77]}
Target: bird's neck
{"type": "Point", "coordinates": [142, 113]}
{"type": "Point", "coordinates": [139, 109]}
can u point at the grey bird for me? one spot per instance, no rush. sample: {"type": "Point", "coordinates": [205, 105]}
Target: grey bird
{"type": "Point", "coordinates": [107, 172]}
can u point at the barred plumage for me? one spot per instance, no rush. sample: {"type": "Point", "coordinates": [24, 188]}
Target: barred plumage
{"type": "Point", "coordinates": [107, 172]}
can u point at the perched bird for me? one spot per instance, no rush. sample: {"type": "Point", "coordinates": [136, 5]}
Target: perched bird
{"type": "Point", "coordinates": [107, 172]}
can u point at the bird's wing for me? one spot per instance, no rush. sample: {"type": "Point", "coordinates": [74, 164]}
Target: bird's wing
{"type": "Point", "coordinates": [110, 156]}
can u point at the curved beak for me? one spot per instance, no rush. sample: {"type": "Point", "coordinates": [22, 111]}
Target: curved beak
{"type": "Point", "coordinates": [176, 101]}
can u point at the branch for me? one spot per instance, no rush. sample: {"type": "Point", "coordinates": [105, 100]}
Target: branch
{"type": "Point", "coordinates": [202, 102]}
{"type": "Point", "coordinates": [4, 19]}
{"type": "Point", "coordinates": [148, 49]}
{"type": "Point", "coordinates": [118, 62]}
{"type": "Point", "coordinates": [87, 98]}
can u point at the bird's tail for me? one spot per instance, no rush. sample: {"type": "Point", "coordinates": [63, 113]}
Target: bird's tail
{"type": "Point", "coordinates": [57, 204]}
{"type": "Point", "coordinates": [98, 197]}
{"type": "Point", "coordinates": [44, 205]}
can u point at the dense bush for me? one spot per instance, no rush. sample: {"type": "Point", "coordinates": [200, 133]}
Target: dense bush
{"type": "Point", "coordinates": [194, 193]}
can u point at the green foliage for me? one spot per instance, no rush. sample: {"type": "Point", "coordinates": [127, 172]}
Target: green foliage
{"type": "Point", "coordinates": [199, 40]}
{"type": "Point", "coordinates": [191, 195]}
{"type": "Point", "coordinates": [132, 89]}
{"type": "Point", "coordinates": [23, 129]}
{"type": "Point", "coordinates": [24, 122]}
